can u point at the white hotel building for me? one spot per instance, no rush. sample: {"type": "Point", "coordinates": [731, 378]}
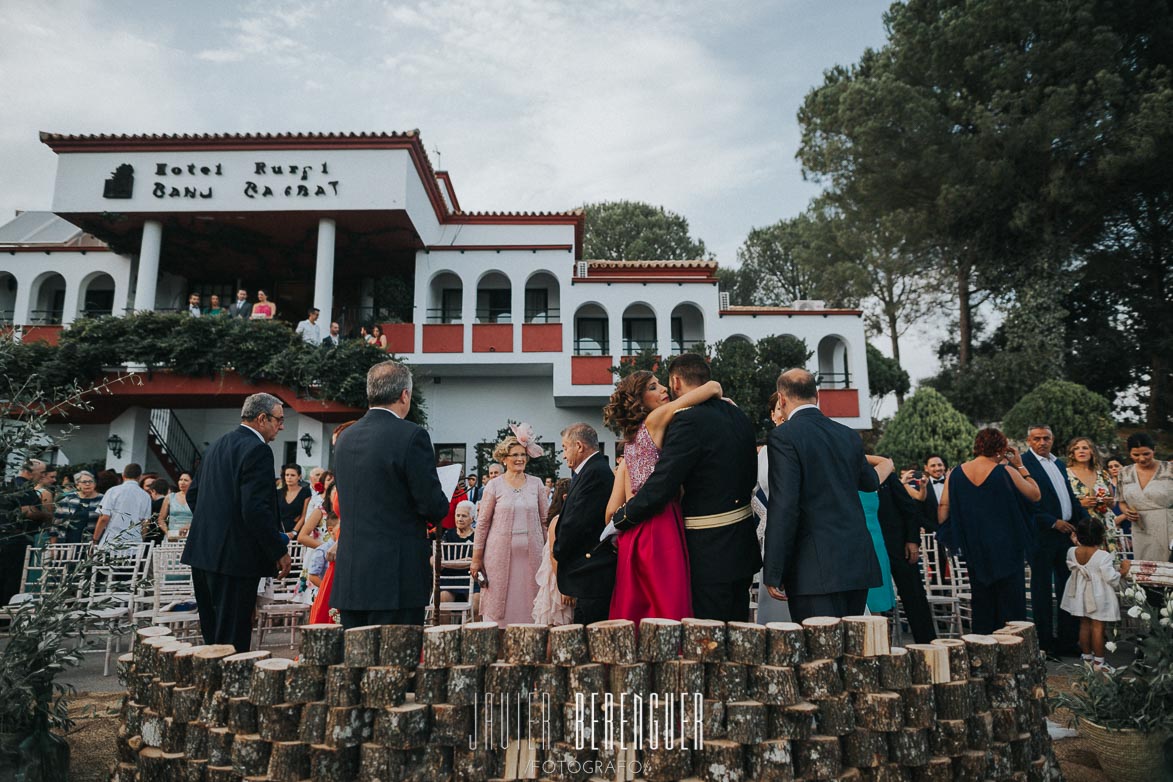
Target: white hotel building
{"type": "Point", "coordinates": [508, 319]}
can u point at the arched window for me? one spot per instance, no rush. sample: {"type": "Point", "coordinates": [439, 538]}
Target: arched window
{"type": "Point", "coordinates": [639, 329]}
{"type": "Point", "coordinates": [833, 369]}
{"type": "Point", "coordinates": [97, 296]}
{"type": "Point", "coordinates": [8, 287]}
{"type": "Point", "coordinates": [541, 299]}
{"type": "Point", "coordinates": [48, 299]}
{"type": "Point", "coordinates": [445, 298]}
{"type": "Point", "coordinates": [591, 331]}
{"type": "Point", "coordinates": [494, 299]}
{"type": "Point", "coordinates": [688, 328]}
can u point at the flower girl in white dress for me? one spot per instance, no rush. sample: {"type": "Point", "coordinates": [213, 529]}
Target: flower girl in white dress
{"type": "Point", "coordinates": [1091, 589]}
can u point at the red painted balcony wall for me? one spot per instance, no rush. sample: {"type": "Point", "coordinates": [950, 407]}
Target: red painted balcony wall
{"type": "Point", "coordinates": [541, 338]}
{"type": "Point", "coordinates": [591, 370]}
{"type": "Point", "coordinates": [492, 338]}
{"type": "Point", "coordinates": [443, 338]}
{"type": "Point", "coordinates": [839, 402]}
{"type": "Point", "coordinates": [400, 337]}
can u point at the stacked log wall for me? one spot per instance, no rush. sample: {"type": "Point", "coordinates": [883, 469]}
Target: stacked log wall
{"type": "Point", "coordinates": [826, 700]}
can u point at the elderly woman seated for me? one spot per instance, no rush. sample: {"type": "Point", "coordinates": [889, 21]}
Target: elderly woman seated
{"type": "Point", "coordinates": [461, 533]}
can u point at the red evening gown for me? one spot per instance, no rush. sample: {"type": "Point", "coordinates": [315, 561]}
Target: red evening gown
{"type": "Point", "coordinates": [320, 610]}
{"type": "Point", "coordinates": [651, 576]}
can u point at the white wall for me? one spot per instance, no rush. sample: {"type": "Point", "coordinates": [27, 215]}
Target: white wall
{"type": "Point", "coordinates": [77, 267]}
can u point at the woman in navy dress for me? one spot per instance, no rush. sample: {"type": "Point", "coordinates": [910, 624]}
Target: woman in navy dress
{"type": "Point", "coordinates": [986, 503]}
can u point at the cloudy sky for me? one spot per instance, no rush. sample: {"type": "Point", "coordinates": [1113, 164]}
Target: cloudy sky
{"type": "Point", "coordinates": [532, 105]}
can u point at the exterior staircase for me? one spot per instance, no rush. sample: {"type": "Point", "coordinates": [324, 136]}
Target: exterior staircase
{"type": "Point", "coordinates": [171, 444]}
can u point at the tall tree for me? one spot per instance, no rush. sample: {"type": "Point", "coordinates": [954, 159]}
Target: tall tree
{"type": "Point", "coordinates": [979, 125]}
{"type": "Point", "coordinates": [637, 231]}
{"type": "Point", "coordinates": [795, 258]}
{"type": "Point", "coordinates": [885, 376]}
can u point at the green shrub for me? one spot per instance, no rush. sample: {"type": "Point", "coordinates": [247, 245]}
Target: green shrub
{"type": "Point", "coordinates": [926, 424]}
{"type": "Point", "coordinates": [1071, 410]}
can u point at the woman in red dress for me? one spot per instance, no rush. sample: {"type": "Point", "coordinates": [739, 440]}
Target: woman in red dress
{"type": "Point", "coordinates": [651, 576]}
{"type": "Point", "coordinates": [320, 612]}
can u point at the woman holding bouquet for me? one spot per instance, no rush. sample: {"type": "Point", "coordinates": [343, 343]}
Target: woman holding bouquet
{"type": "Point", "coordinates": [1092, 487]}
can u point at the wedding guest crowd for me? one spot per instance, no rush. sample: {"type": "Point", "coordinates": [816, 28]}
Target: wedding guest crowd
{"type": "Point", "coordinates": [694, 520]}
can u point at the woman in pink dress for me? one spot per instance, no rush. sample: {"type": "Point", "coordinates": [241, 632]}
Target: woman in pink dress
{"type": "Point", "coordinates": [263, 309]}
{"type": "Point", "coordinates": [508, 544]}
{"type": "Point", "coordinates": [651, 576]}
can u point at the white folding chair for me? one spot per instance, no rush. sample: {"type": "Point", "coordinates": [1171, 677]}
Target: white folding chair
{"type": "Point", "coordinates": [44, 570]}
{"type": "Point", "coordinates": [944, 603]}
{"type": "Point", "coordinates": [171, 587]}
{"type": "Point", "coordinates": [454, 581]}
{"type": "Point", "coordinates": [282, 602]}
{"type": "Point", "coordinates": [110, 594]}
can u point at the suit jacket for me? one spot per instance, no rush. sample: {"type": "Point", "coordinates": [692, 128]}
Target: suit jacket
{"type": "Point", "coordinates": [1047, 510]}
{"type": "Point", "coordinates": [476, 493]}
{"type": "Point", "coordinates": [238, 310]}
{"type": "Point", "coordinates": [927, 508]}
{"type": "Point", "coordinates": [388, 493]}
{"type": "Point", "coordinates": [710, 452]}
{"type": "Point", "coordinates": [234, 528]}
{"type": "Point", "coordinates": [899, 516]}
{"type": "Point", "coordinates": [817, 540]}
{"type": "Point", "coordinates": [583, 517]}
{"type": "Point", "coordinates": [330, 341]}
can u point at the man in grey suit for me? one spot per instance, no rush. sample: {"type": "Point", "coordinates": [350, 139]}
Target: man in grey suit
{"type": "Point", "coordinates": [242, 307]}
{"type": "Point", "coordinates": [388, 492]}
{"type": "Point", "coordinates": [817, 542]}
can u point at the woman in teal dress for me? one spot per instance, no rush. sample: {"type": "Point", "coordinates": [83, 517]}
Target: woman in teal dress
{"type": "Point", "coordinates": [175, 517]}
{"type": "Point", "coordinates": [880, 598]}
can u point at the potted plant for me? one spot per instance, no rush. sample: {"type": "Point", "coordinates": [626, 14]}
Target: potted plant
{"type": "Point", "coordinates": [1127, 714]}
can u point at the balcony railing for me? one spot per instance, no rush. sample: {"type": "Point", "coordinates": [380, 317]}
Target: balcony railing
{"type": "Point", "coordinates": [547, 315]}
{"type": "Point", "coordinates": [835, 379]}
{"type": "Point", "coordinates": [96, 312]}
{"type": "Point", "coordinates": [487, 315]}
{"type": "Point", "coordinates": [633, 346]}
{"type": "Point", "coordinates": [45, 317]}
{"type": "Point", "coordinates": [441, 315]}
{"type": "Point", "coordinates": [585, 346]}
{"type": "Point", "coordinates": [685, 346]}
{"type": "Point", "coordinates": [6, 316]}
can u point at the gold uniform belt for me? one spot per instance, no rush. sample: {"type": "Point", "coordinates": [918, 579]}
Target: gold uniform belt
{"type": "Point", "coordinates": [718, 519]}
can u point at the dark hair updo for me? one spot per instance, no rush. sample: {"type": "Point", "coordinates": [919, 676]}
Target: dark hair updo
{"type": "Point", "coordinates": [1090, 532]}
{"type": "Point", "coordinates": [989, 442]}
{"type": "Point", "coordinates": [1141, 440]}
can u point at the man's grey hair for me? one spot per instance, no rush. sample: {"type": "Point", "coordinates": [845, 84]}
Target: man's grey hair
{"type": "Point", "coordinates": [258, 404]}
{"type": "Point", "coordinates": [584, 433]}
{"type": "Point", "coordinates": [32, 464]}
{"type": "Point", "coordinates": [77, 476]}
{"type": "Point", "coordinates": [386, 382]}
{"type": "Point", "coordinates": [1032, 427]}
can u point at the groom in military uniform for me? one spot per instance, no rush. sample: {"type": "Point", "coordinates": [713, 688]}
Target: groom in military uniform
{"type": "Point", "coordinates": [709, 452]}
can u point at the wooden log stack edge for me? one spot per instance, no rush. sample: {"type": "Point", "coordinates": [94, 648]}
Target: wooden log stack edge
{"type": "Point", "coordinates": [824, 700]}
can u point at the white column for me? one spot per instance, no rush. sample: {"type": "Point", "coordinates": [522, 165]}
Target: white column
{"type": "Point", "coordinates": [132, 426]}
{"type": "Point", "coordinates": [663, 333]}
{"type": "Point", "coordinates": [24, 300]}
{"type": "Point", "coordinates": [148, 265]}
{"type": "Point", "coordinates": [517, 306]}
{"type": "Point", "coordinates": [324, 270]}
{"type": "Point", "coordinates": [469, 308]}
{"type": "Point", "coordinates": [72, 301]}
{"type": "Point", "coordinates": [615, 327]}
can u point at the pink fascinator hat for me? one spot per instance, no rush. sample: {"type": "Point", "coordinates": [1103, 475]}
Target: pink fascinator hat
{"type": "Point", "coordinates": [525, 435]}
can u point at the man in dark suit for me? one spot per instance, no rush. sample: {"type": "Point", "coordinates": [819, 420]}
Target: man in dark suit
{"type": "Point", "coordinates": [1055, 516]}
{"type": "Point", "coordinates": [334, 338]}
{"type": "Point", "coordinates": [709, 452]}
{"type": "Point", "coordinates": [388, 492]}
{"type": "Point", "coordinates": [934, 484]}
{"type": "Point", "coordinates": [242, 307]}
{"type": "Point", "coordinates": [900, 525]}
{"type": "Point", "coordinates": [586, 570]}
{"type": "Point", "coordinates": [817, 541]}
{"type": "Point", "coordinates": [235, 536]}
